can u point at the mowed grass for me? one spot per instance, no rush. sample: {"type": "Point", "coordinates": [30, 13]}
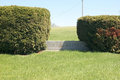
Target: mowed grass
{"type": "Point", "coordinates": [61, 65]}
{"type": "Point", "coordinates": [63, 34]}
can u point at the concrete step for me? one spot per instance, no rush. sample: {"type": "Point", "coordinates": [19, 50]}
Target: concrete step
{"type": "Point", "coordinates": [66, 45]}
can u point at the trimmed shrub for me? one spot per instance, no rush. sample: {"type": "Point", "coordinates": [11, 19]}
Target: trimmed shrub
{"type": "Point", "coordinates": [23, 30]}
{"type": "Point", "coordinates": [108, 40]}
{"type": "Point", "coordinates": [87, 28]}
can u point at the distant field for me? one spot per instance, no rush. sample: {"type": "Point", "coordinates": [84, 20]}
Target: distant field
{"type": "Point", "coordinates": [63, 33]}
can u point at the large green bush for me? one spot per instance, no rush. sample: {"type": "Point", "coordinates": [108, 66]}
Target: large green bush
{"type": "Point", "coordinates": [87, 28]}
{"type": "Point", "coordinates": [23, 30]}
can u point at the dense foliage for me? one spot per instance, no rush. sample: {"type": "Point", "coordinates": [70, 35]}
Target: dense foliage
{"type": "Point", "coordinates": [108, 40]}
{"type": "Point", "coordinates": [23, 30]}
{"type": "Point", "coordinates": [88, 30]}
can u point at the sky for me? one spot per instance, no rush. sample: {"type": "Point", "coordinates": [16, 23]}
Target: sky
{"type": "Point", "coordinates": [66, 12]}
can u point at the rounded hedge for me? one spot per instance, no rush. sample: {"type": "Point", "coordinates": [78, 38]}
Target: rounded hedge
{"type": "Point", "coordinates": [87, 28]}
{"type": "Point", "coordinates": [23, 30]}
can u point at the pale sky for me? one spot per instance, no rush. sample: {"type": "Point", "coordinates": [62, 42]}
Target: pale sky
{"type": "Point", "coordinates": [66, 12]}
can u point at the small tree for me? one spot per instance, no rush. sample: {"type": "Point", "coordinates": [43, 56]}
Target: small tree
{"type": "Point", "coordinates": [53, 25]}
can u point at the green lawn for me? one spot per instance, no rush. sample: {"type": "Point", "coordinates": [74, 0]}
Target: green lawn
{"type": "Point", "coordinates": [63, 34]}
{"type": "Point", "coordinates": [61, 65]}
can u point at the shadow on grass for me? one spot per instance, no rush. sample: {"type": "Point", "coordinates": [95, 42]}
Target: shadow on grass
{"type": "Point", "coordinates": [22, 54]}
{"type": "Point", "coordinates": [16, 54]}
{"type": "Point", "coordinates": [98, 52]}
{"type": "Point", "coordinates": [90, 51]}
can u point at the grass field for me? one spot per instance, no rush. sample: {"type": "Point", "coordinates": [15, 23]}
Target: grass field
{"type": "Point", "coordinates": [61, 65]}
{"type": "Point", "coordinates": [63, 34]}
